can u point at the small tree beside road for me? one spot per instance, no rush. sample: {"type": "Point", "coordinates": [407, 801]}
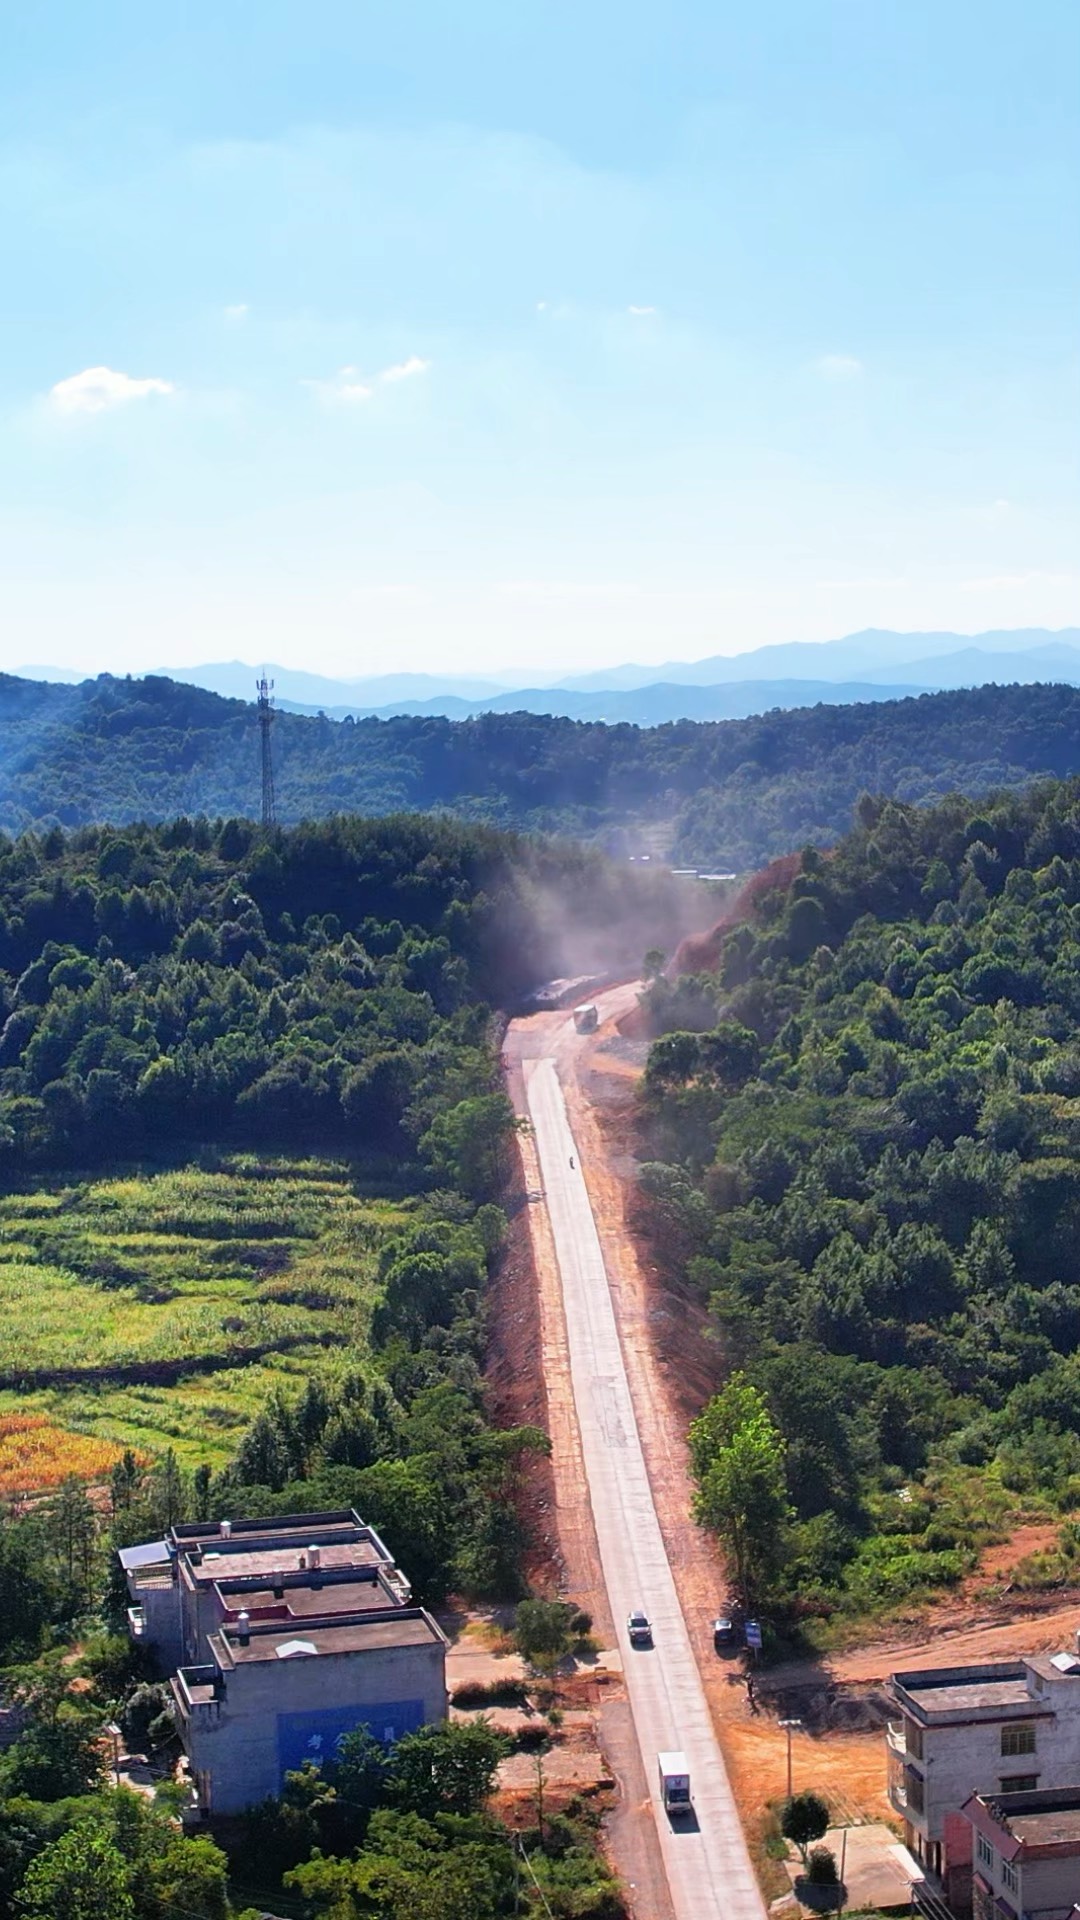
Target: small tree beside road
{"type": "Point", "coordinates": [805, 1819]}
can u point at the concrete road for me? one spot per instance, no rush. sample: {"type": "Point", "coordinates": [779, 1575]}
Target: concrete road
{"type": "Point", "coordinates": [707, 1864]}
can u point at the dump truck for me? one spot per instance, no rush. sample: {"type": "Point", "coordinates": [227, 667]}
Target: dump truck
{"type": "Point", "coordinates": [674, 1782]}
{"type": "Point", "coordinates": [586, 1018]}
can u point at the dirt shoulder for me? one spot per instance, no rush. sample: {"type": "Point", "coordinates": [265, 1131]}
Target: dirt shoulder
{"type": "Point", "coordinates": [529, 1371]}
{"type": "Point", "coordinates": [529, 1376]}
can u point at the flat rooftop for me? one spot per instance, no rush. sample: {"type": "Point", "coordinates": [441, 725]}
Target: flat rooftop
{"type": "Point", "coordinates": [1002, 1688]}
{"type": "Point", "coordinates": [1045, 1817]}
{"type": "Point", "coordinates": [952, 1696]}
{"type": "Point", "coordinates": [342, 1596]}
{"type": "Point", "coordinates": [1043, 1829]}
{"type": "Point", "coordinates": [405, 1627]}
{"type": "Point", "coordinates": [190, 1533]}
{"type": "Point", "coordinates": [232, 1559]}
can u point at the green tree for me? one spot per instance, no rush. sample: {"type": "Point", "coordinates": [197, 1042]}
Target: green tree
{"type": "Point", "coordinates": [358, 1772]}
{"type": "Point", "coordinates": [470, 1144]}
{"type": "Point", "coordinates": [805, 1819]}
{"type": "Point", "coordinates": [59, 1751]}
{"type": "Point", "coordinates": [189, 1877]}
{"type": "Point", "coordinates": [445, 1769]}
{"type": "Point", "coordinates": [738, 1458]}
{"type": "Point", "coordinates": [81, 1876]}
{"type": "Point", "coordinates": [410, 1869]}
{"type": "Point", "coordinates": [72, 1532]}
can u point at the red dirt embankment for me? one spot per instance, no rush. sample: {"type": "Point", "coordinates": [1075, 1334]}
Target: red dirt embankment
{"type": "Point", "coordinates": [700, 952]}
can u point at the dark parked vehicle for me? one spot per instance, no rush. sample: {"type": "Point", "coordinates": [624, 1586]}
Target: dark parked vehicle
{"type": "Point", "coordinates": [639, 1629]}
{"type": "Point", "coordinates": [725, 1634]}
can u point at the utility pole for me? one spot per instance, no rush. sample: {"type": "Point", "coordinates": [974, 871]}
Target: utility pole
{"type": "Point", "coordinates": [789, 1726]}
{"type": "Point", "coordinates": [266, 721]}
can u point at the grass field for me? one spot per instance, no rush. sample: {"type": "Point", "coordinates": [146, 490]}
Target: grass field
{"type": "Point", "coordinates": [161, 1310]}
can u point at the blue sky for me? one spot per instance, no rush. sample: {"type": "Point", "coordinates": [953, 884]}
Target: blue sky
{"type": "Point", "coordinates": [542, 334]}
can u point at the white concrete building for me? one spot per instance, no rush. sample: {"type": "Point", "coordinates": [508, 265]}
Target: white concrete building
{"type": "Point", "coordinates": [272, 1696]}
{"type": "Point", "coordinates": [280, 1636]}
{"type": "Point", "coordinates": [1011, 1727]}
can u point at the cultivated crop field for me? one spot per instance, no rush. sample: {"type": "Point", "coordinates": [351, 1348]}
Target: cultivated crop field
{"type": "Point", "coordinates": [35, 1455]}
{"type": "Point", "coordinates": [161, 1309]}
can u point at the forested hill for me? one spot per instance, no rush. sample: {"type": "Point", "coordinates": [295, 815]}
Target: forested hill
{"type": "Point", "coordinates": [871, 1169]}
{"type": "Point", "coordinates": [321, 988]}
{"type": "Point", "coordinates": [730, 794]}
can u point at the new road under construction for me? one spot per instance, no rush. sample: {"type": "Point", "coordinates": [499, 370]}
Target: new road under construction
{"type": "Point", "coordinates": [705, 1858]}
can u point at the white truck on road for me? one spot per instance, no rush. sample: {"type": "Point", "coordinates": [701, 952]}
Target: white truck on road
{"type": "Point", "coordinates": [674, 1782]}
{"type": "Point", "coordinates": [587, 1017]}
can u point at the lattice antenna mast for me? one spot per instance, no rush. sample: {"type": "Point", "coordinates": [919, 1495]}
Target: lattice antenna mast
{"type": "Point", "coordinates": [266, 721]}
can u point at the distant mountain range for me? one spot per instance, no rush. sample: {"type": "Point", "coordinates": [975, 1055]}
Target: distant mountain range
{"type": "Point", "coordinates": [874, 665]}
{"type": "Point", "coordinates": [650, 706]}
{"type": "Point", "coordinates": [876, 654]}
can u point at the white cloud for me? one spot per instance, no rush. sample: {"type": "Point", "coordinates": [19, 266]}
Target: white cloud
{"type": "Point", "coordinates": [640, 310]}
{"type": "Point", "coordinates": [406, 369]}
{"type": "Point", "coordinates": [839, 366]}
{"type": "Point", "coordinates": [97, 389]}
{"type": "Point", "coordinates": [349, 388]}
{"type": "Point", "coordinates": [541, 306]}
{"type": "Point", "coordinates": [235, 315]}
{"type": "Point", "coordinates": [344, 390]}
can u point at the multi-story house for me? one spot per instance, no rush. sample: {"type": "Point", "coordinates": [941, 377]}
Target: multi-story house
{"type": "Point", "coordinates": [1026, 1854]}
{"type": "Point", "coordinates": [1011, 1727]}
{"type": "Point", "coordinates": [281, 1635]}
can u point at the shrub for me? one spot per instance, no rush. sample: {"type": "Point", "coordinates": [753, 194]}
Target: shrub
{"type": "Point", "coordinates": [534, 1739]}
{"type": "Point", "coordinates": [491, 1693]}
{"type": "Point", "coordinates": [142, 1714]}
{"type": "Point", "coordinates": [543, 1632]}
{"type": "Point", "coordinates": [821, 1867]}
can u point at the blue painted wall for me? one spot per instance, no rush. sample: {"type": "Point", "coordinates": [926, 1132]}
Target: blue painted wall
{"type": "Point", "coordinates": [314, 1736]}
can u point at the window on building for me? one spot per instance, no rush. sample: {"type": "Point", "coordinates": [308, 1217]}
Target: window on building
{"type": "Point", "coordinates": [1010, 1879]}
{"type": "Point", "coordinates": [913, 1789]}
{"type": "Point", "coordinates": [1018, 1782]}
{"type": "Point", "coordinates": [984, 1852]}
{"type": "Point", "coordinates": [1018, 1739]}
{"type": "Point", "coordinates": [913, 1738]}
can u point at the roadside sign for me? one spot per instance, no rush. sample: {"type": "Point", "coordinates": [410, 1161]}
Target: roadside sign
{"type": "Point", "coordinates": [753, 1635]}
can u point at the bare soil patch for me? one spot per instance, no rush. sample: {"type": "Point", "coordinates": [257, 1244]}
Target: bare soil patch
{"type": "Point", "coordinates": [996, 1563]}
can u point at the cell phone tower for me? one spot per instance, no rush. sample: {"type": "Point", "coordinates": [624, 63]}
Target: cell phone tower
{"type": "Point", "coordinates": [266, 721]}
